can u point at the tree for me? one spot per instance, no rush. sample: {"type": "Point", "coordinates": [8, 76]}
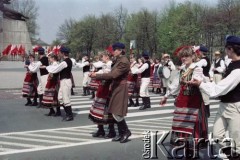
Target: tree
{"type": "Point", "coordinates": [29, 9]}
{"type": "Point", "coordinates": [121, 17]}
{"type": "Point", "coordinates": [64, 31]}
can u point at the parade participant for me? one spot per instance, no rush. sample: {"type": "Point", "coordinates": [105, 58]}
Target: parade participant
{"type": "Point", "coordinates": [145, 80]}
{"type": "Point", "coordinates": [156, 79]}
{"type": "Point", "coordinates": [152, 64]}
{"type": "Point", "coordinates": [51, 90]}
{"type": "Point", "coordinates": [168, 63]}
{"type": "Point", "coordinates": [41, 66]}
{"type": "Point", "coordinates": [189, 119]}
{"type": "Point", "coordinates": [204, 62]}
{"type": "Point", "coordinates": [228, 90]}
{"type": "Point", "coordinates": [30, 83]}
{"type": "Point", "coordinates": [119, 96]}
{"type": "Point", "coordinates": [217, 68]}
{"type": "Point", "coordinates": [132, 81]}
{"type": "Point", "coordinates": [86, 68]}
{"type": "Point", "coordinates": [64, 69]}
{"type": "Point", "coordinates": [98, 112]}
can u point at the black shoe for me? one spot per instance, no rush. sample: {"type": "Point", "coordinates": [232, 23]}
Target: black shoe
{"type": "Point", "coordinates": [111, 134]}
{"type": "Point", "coordinates": [35, 104]}
{"type": "Point", "coordinates": [98, 134]}
{"type": "Point", "coordinates": [148, 103]}
{"type": "Point", "coordinates": [68, 118]}
{"type": "Point", "coordinates": [51, 113]}
{"type": "Point", "coordinates": [117, 138]}
{"type": "Point", "coordinates": [125, 136]}
{"type": "Point", "coordinates": [28, 104]}
{"type": "Point", "coordinates": [143, 107]}
{"type": "Point", "coordinates": [131, 103]}
{"type": "Point", "coordinates": [57, 114]}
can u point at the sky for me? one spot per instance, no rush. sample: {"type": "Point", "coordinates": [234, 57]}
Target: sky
{"type": "Point", "coordinates": [53, 13]}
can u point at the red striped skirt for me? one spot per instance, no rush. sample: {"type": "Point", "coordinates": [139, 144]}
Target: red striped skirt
{"type": "Point", "coordinates": [50, 96]}
{"type": "Point", "coordinates": [30, 85]}
{"type": "Point", "coordinates": [94, 83]}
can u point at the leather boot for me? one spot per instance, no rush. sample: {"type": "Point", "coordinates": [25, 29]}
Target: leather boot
{"type": "Point", "coordinates": [111, 132]}
{"type": "Point", "coordinates": [84, 91]}
{"type": "Point", "coordinates": [158, 91]}
{"type": "Point", "coordinates": [137, 103]}
{"type": "Point", "coordinates": [35, 103]}
{"type": "Point", "coordinates": [207, 110]}
{"type": "Point", "coordinates": [72, 92]}
{"type": "Point", "coordinates": [131, 103]}
{"type": "Point", "coordinates": [40, 101]}
{"type": "Point", "coordinates": [29, 102]}
{"type": "Point", "coordinates": [100, 132]}
{"type": "Point", "coordinates": [69, 114]}
{"type": "Point", "coordinates": [58, 113]}
{"type": "Point", "coordinates": [93, 95]}
{"type": "Point", "coordinates": [127, 133]}
{"type": "Point", "coordinates": [144, 106]}
{"type": "Point", "coordinates": [148, 103]}
{"type": "Point", "coordinates": [51, 112]}
{"type": "Point", "coordinates": [120, 132]}
{"type": "Point", "coordinates": [164, 91]}
{"type": "Point", "coordinates": [87, 91]}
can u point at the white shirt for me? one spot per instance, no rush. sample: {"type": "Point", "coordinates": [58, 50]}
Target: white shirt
{"type": "Point", "coordinates": [223, 87]}
{"type": "Point", "coordinates": [172, 66]}
{"type": "Point", "coordinates": [98, 64]}
{"type": "Point", "coordinates": [57, 68]}
{"type": "Point", "coordinates": [83, 64]}
{"type": "Point", "coordinates": [220, 69]}
{"type": "Point", "coordinates": [141, 69]}
{"type": "Point", "coordinates": [34, 66]}
{"type": "Point", "coordinates": [227, 60]}
{"type": "Point", "coordinates": [201, 63]}
{"type": "Point", "coordinates": [106, 67]}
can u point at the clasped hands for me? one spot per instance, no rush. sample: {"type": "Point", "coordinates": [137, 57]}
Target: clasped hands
{"type": "Point", "coordinates": [92, 74]}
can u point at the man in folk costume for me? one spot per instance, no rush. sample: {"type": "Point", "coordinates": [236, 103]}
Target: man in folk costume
{"type": "Point", "coordinates": [98, 112]}
{"type": "Point", "coordinates": [50, 96]}
{"type": "Point", "coordinates": [217, 68]}
{"type": "Point", "coordinates": [204, 62]}
{"type": "Point", "coordinates": [30, 83]}
{"type": "Point", "coordinates": [228, 90]}
{"type": "Point", "coordinates": [86, 69]}
{"type": "Point", "coordinates": [119, 96]}
{"type": "Point", "coordinates": [145, 80]}
{"type": "Point", "coordinates": [168, 63]}
{"type": "Point", "coordinates": [64, 69]}
{"type": "Point", "coordinates": [132, 81]}
{"type": "Point", "coordinates": [41, 65]}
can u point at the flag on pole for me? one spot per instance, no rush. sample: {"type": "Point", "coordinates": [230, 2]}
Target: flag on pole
{"type": "Point", "coordinates": [7, 50]}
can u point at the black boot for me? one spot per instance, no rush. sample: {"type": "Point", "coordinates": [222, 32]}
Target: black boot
{"type": "Point", "coordinates": [120, 132]}
{"type": "Point", "coordinates": [152, 89]}
{"type": "Point", "coordinates": [131, 103]}
{"type": "Point", "coordinates": [126, 132]}
{"type": "Point", "coordinates": [35, 103]}
{"type": "Point", "coordinates": [84, 91]}
{"type": "Point", "coordinates": [158, 91]}
{"type": "Point", "coordinates": [87, 91]}
{"type": "Point", "coordinates": [144, 106]}
{"type": "Point", "coordinates": [29, 102]}
{"type": "Point", "coordinates": [72, 93]}
{"type": "Point", "coordinates": [164, 91]}
{"type": "Point", "coordinates": [100, 132]}
{"type": "Point", "coordinates": [58, 113]}
{"type": "Point", "coordinates": [111, 132]}
{"type": "Point", "coordinates": [69, 114]}
{"type": "Point", "coordinates": [93, 95]}
{"type": "Point", "coordinates": [148, 103]}
{"type": "Point", "coordinates": [137, 103]}
{"type": "Point", "coordinates": [51, 112]}
{"type": "Point", "coordinates": [40, 101]}
{"type": "Point", "coordinates": [207, 110]}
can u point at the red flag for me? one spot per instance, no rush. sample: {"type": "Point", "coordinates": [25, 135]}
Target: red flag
{"type": "Point", "coordinates": [20, 50]}
{"type": "Point", "coordinates": [14, 50]}
{"type": "Point", "coordinates": [7, 50]}
{"type": "Point", "coordinates": [109, 49]}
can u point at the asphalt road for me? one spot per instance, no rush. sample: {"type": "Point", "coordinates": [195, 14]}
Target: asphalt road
{"type": "Point", "coordinates": [27, 134]}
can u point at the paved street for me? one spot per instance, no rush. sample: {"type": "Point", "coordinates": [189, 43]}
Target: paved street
{"type": "Point", "coordinates": [26, 133]}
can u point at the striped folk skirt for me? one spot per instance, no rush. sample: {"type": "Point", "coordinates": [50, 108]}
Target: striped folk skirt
{"type": "Point", "coordinates": [94, 83]}
{"type": "Point", "coordinates": [50, 96]}
{"type": "Point", "coordinates": [30, 84]}
{"type": "Point", "coordinates": [156, 82]}
{"type": "Point", "coordinates": [99, 109]}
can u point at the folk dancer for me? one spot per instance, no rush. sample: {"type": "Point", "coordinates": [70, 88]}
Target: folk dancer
{"type": "Point", "coordinates": [30, 83]}
{"type": "Point", "coordinates": [156, 79]}
{"type": "Point", "coordinates": [168, 63]}
{"type": "Point", "coordinates": [41, 66]}
{"type": "Point", "coordinates": [85, 65]}
{"type": "Point", "coordinates": [99, 110]}
{"type": "Point", "coordinates": [64, 69]}
{"type": "Point", "coordinates": [119, 96]}
{"type": "Point", "coordinates": [132, 82]}
{"type": "Point", "coordinates": [50, 96]}
{"type": "Point", "coordinates": [145, 80]}
{"type": "Point", "coordinates": [204, 62]}
{"type": "Point", "coordinates": [228, 90]}
{"type": "Point", "coordinates": [217, 68]}
{"type": "Point", "coordinates": [189, 116]}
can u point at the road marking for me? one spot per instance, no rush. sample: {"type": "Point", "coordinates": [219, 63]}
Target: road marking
{"type": "Point", "coordinates": [70, 133]}
{"type": "Point", "coordinates": [21, 144]}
